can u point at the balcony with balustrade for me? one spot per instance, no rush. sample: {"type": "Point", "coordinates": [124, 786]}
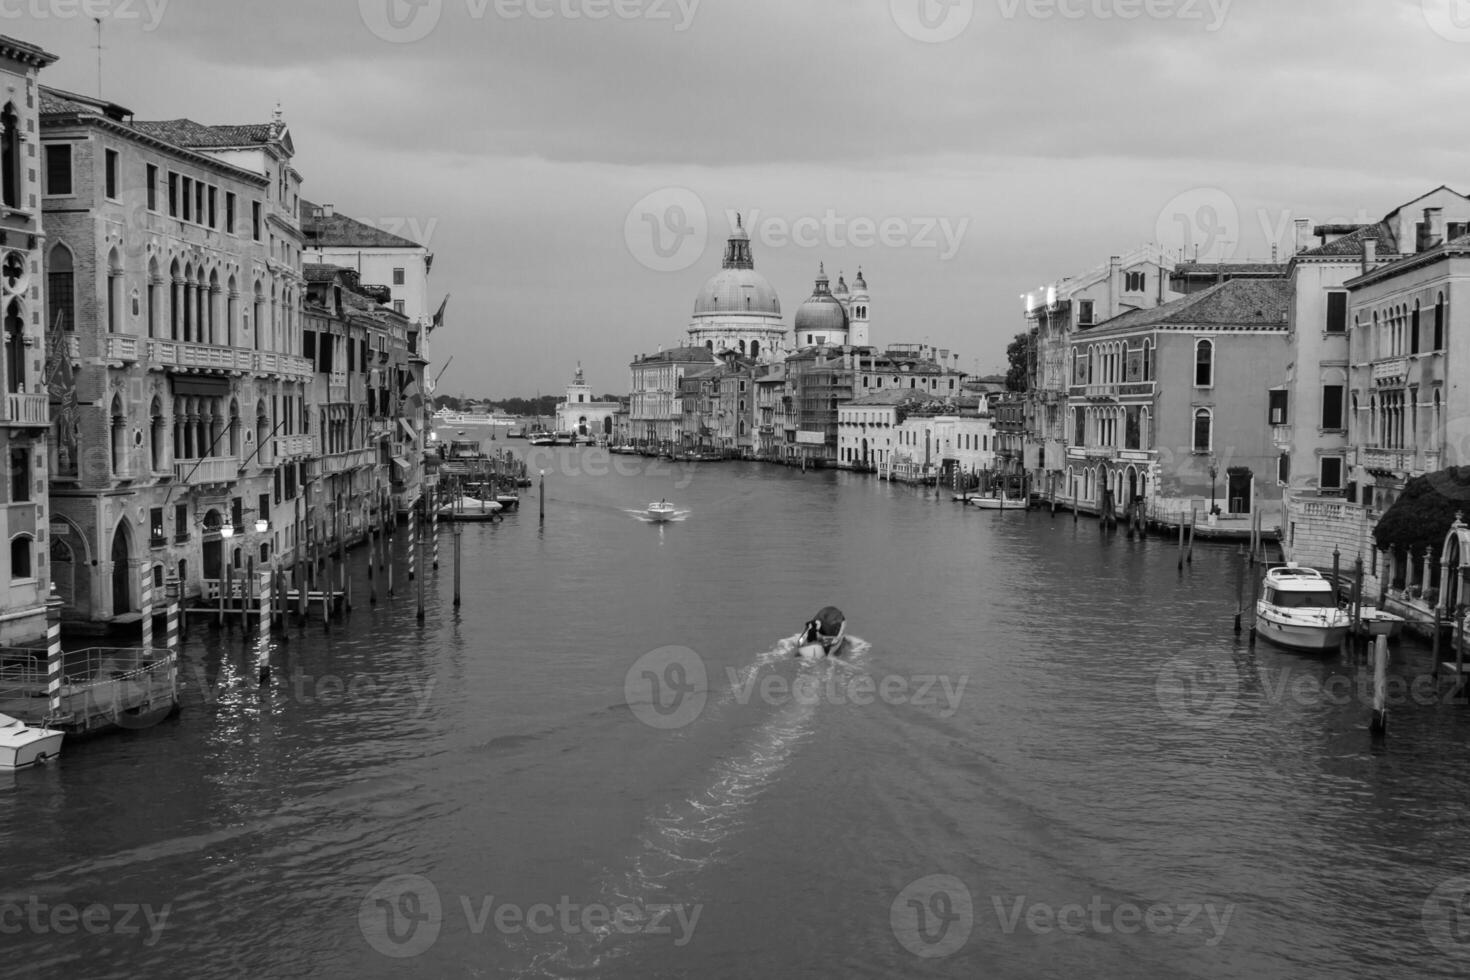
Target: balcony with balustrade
{"type": "Point", "coordinates": [292, 447]}
{"type": "Point", "coordinates": [213, 469]}
{"type": "Point", "coordinates": [1393, 370]}
{"type": "Point", "coordinates": [27, 410]}
{"type": "Point", "coordinates": [1387, 460]}
{"type": "Point", "coordinates": [119, 349]}
{"type": "Point", "coordinates": [204, 358]}
{"type": "Point", "coordinates": [345, 462]}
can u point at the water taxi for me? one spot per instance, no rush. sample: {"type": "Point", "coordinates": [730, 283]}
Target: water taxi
{"type": "Point", "coordinates": [661, 510]}
{"type": "Point", "coordinates": [1298, 610]}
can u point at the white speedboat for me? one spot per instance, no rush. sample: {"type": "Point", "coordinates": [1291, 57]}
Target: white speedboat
{"type": "Point", "coordinates": [1298, 610]}
{"type": "Point", "coordinates": [998, 503]}
{"type": "Point", "coordinates": [661, 510]}
{"type": "Point", "coordinates": [22, 746]}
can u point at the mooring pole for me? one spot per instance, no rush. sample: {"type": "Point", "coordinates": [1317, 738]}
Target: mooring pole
{"type": "Point", "coordinates": [1357, 594]}
{"type": "Point", "coordinates": [455, 530]}
{"type": "Point", "coordinates": [419, 547]}
{"type": "Point", "coordinates": [434, 522]}
{"type": "Point", "coordinates": [171, 590]}
{"type": "Point", "coordinates": [1378, 725]}
{"type": "Point", "coordinates": [263, 641]}
{"type": "Point", "coordinates": [227, 585]}
{"type": "Point", "coordinates": [54, 658]}
{"type": "Point", "coordinates": [543, 496]}
{"type": "Point", "coordinates": [145, 599]}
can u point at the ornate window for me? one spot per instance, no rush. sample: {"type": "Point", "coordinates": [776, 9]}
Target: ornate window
{"type": "Point", "coordinates": [1204, 363]}
{"type": "Point", "coordinates": [1204, 421]}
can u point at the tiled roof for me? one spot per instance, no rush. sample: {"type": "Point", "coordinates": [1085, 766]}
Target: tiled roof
{"type": "Point", "coordinates": [1246, 303]}
{"type": "Point", "coordinates": [1352, 243]}
{"type": "Point", "coordinates": [55, 101]}
{"type": "Point", "coordinates": [894, 396]}
{"type": "Point", "coordinates": [188, 133]}
{"type": "Point", "coordinates": [340, 231]}
{"type": "Point", "coordinates": [1210, 270]}
{"type": "Point", "coordinates": [319, 272]}
{"type": "Point", "coordinates": [681, 354]}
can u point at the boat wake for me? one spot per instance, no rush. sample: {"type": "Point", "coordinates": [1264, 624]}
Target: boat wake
{"type": "Point", "coordinates": [683, 838]}
{"type": "Point", "coordinates": [642, 515]}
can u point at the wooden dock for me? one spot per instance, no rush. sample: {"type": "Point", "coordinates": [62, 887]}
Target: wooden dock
{"type": "Point", "coordinates": [102, 688]}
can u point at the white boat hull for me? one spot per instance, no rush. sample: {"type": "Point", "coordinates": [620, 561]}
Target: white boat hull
{"type": "Point", "coordinates": [998, 503]}
{"type": "Point", "coordinates": [29, 747]}
{"type": "Point", "coordinates": [1314, 638]}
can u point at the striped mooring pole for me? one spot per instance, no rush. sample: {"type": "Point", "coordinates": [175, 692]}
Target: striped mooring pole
{"type": "Point", "coordinates": [145, 599]}
{"type": "Point", "coordinates": [413, 537]}
{"type": "Point", "coordinates": [53, 653]}
{"type": "Point", "coordinates": [263, 639]}
{"type": "Point", "coordinates": [434, 522]}
{"type": "Point", "coordinates": [171, 631]}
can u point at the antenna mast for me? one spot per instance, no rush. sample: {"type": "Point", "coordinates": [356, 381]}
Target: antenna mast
{"type": "Point", "coordinates": [98, 21]}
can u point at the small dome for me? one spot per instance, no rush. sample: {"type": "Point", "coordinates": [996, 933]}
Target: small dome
{"type": "Point", "coordinates": [841, 291]}
{"type": "Point", "coordinates": [859, 286]}
{"type": "Point", "coordinates": [822, 312]}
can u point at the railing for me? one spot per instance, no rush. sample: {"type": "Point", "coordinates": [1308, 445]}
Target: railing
{"type": "Point", "coordinates": [215, 469]}
{"type": "Point", "coordinates": [298, 445]}
{"type": "Point", "coordinates": [119, 347]}
{"type": "Point", "coordinates": [286, 365]}
{"type": "Point", "coordinates": [27, 409]}
{"type": "Point", "coordinates": [1385, 459]}
{"type": "Point", "coordinates": [100, 685]}
{"type": "Point", "coordinates": [207, 357]}
{"type": "Point", "coordinates": [342, 462]}
{"type": "Point", "coordinates": [1323, 510]}
{"type": "Point", "coordinates": [1390, 370]}
{"type": "Point", "coordinates": [1281, 436]}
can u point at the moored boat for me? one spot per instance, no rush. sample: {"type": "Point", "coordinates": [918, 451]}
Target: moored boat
{"type": "Point", "coordinates": [22, 746]}
{"type": "Point", "coordinates": [1001, 502]}
{"type": "Point", "coordinates": [1298, 610]}
{"type": "Point", "coordinates": [470, 509]}
{"type": "Point", "coordinates": [1375, 622]}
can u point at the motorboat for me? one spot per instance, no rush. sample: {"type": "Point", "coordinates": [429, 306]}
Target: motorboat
{"type": "Point", "coordinates": [999, 502]}
{"type": "Point", "coordinates": [661, 510]}
{"type": "Point", "coordinates": [823, 635]}
{"type": "Point", "coordinates": [508, 501]}
{"type": "Point", "coordinates": [22, 746]}
{"type": "Point", "coordinates": [1298, 610]}
{"type": "Point", "coordinates": [470, 509]}
{"type": "Point", "coordinates": [1375, 622]}
{"type": "Point", "coordinates": [543, 439]}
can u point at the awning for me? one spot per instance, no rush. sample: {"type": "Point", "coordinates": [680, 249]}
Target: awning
{"type": "Point", "coordinates": [401, 463]}
{"type": "Point", "coordinates": [408, 429]}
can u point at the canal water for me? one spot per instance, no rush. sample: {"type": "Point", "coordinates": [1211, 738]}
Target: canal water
{"type": "Point", "coordinates": [1046, 754]}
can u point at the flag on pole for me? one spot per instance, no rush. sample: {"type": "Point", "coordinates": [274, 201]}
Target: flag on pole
{"type": "Point", "coordinates": [439, 316]}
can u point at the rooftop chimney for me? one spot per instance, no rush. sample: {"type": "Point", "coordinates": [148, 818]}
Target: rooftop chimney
{"type": "Point", "coordinates": [1303, 233]}
{"type": "Point", "coordinates": [1370, 253]}
{"type": "Point", "coordinates": [1115, 285]}
{"type": "Point", "coordinates": [1433, 227]}
{"type": "Point", "coordinates": [328, 210]}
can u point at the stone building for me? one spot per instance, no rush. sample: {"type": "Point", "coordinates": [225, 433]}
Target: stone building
{"type": "Point", "coordinates": [174, 273]}
{"type": "Point", "coordinates": [26, 567]}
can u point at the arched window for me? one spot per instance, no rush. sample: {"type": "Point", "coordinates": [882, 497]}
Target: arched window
{"type": "Point", "coordinates": [259, 314]}
{"type": "Point", "coordinates": [157, 434]}
{"type": "Point", "coordinates": [742, 348]}
{"type": "Point", "coordinates": [1204, 363]}
{"type": "Point", "coordinates": [15, 348]}
{"type": "Point", "coordinates": [1203, 424]}
{"type": "Point", "coordinates": [1439, 322]}
{"type": "Point", "coordinates": [175, 302]}
{"type": "Point", "coordinates": [1148, 360]}
{"type": "Point", "coordinates": [234, 429]}
{"type": "Point", "coordinates": [755, 348]}
{"type": "Point", "coordinates": [154, 281]}
{"type": "Point", "coordinates": [232, 314]}
{"type": "Point", "coordinates": [211, 305]}
{"type": "Point", "coordinates": [114, 292]}
{"type": "Point", "coordinates": [61, 304]}
{"type": "Point", "coordinates": [10, 164]}
{"type": "Point", "coordinates": [21, 548]}
{"type": "Point", "coordinates": [119, 438]}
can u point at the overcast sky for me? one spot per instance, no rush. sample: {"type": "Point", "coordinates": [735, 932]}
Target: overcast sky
{"type": "Point", "coordinates": [571, 163]}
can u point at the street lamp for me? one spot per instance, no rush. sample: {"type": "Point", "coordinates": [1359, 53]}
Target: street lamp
{"type": "Point", "coordinates": [1213, 473]}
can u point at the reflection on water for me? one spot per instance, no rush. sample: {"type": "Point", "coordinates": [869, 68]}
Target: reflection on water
{"type": "Point", "coordinates": [1044, 714]}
